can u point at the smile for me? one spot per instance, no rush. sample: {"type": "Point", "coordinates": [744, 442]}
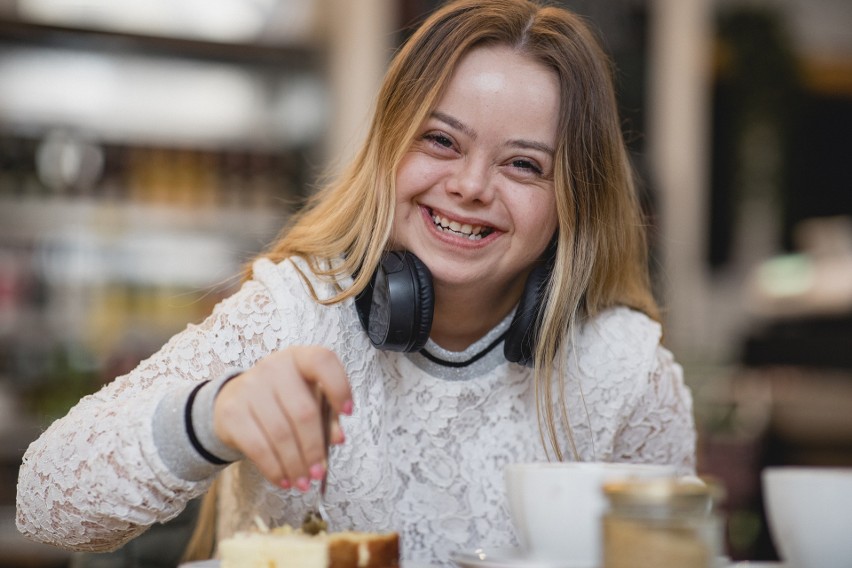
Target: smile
{"type": "Point", "coordinates": [471, 232]}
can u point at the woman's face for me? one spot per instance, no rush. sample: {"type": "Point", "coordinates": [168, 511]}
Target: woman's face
{"type": "Point", "coordinates": [474, 193]}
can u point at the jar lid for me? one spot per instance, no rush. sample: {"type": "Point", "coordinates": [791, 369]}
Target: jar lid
{"type": "Point", "coordinates": [662, 492]}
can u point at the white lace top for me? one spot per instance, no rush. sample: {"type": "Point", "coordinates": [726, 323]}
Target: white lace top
{"type": "Point", "coordinates": [425, 446]}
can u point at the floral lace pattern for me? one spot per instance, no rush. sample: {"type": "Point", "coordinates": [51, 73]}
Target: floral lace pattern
{"type": "Point", "coordinates": [423, 456]}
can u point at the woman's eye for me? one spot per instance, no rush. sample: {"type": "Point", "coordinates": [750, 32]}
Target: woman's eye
{"type": "Point", "coordinates": [439, 139]}
{"type": "Point", "coordinates": [528, 165]}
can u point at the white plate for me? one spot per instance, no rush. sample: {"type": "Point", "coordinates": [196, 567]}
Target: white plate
{"type": "Point", "coordinates": [516, 558]}
{"type": "Point", "coordinates": [504, 558]}
{"type": "Point", "coordinates": [217, 564]}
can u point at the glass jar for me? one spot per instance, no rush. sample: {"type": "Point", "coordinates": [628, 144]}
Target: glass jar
{"type": "Point", "coordinates": [655, 523]}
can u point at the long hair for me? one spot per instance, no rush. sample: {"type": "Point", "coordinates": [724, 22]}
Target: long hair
{"type": "Point", "coordinates": [600, 246]}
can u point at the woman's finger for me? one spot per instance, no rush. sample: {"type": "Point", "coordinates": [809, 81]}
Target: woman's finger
{"type": "Point", "coordinates": [323, 367]}
{"type": "Point", "coordinates": [255, 445]}
{"type": "Point", "coordinates": [283, 437]}
{"type": "Point", "coordinates": [302, 407]}
{"type": "Point", "coordinates": [272, 414]}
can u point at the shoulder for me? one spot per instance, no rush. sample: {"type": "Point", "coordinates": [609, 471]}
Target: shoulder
{"type": "Point", "coordinates": [294, 290]}
{"type": "Point", "coordinates": [619, 333]}
{"type": "Point", "coordinates": [292, 278]}
{"type": "Point", "coordinates": [619, 353]}
{"type": "Point", "coordinates": [285, 272]}
{"type": "Point", "coordinates": [615, 353]}
{"type": "Point", "coordinates": [633, 403]}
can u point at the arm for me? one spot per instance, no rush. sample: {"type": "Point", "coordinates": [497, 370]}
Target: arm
{"type": "Point", "coordinates": [659, 426]}
{"type": "Point", "coordinates": [95, 478]}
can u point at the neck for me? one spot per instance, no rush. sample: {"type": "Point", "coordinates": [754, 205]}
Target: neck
{"type": "Point", "coordinates": [463, 316]}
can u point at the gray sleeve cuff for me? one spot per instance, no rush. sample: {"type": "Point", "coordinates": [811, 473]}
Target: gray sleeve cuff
{"type": "Point", "coordinates": [183, 431]}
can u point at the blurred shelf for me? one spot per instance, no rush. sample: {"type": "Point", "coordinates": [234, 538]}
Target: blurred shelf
{"type": "Point", "coordinates": [292, 55]}
{"type": "Point", "coordinates": [23, 219]}
{"type": "Point", "coordinates": [823, 342]}
{"type": "Point", "coordinates": [187, 156]}
{"type": "Point", "coordinates": [266, 91]}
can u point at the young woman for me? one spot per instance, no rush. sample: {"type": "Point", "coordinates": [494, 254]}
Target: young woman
{"type": "Point", "coordinates": [525, 331]}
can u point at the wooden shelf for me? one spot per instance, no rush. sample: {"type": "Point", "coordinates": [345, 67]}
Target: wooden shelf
{"type": "Point", "coordinates": [16, 31]}
{"type": "Point", "coordinates": [30, 217]}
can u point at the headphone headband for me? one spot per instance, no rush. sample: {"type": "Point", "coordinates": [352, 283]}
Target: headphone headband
{"type": "Point", "coordinates": [396, 307]}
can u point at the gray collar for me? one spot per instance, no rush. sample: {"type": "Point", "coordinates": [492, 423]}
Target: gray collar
{"type": "Point", "coordinates": [482, 356]}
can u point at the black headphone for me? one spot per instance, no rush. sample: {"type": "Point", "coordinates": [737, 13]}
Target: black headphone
{"type": "Point", "coordinates": [396, 307]}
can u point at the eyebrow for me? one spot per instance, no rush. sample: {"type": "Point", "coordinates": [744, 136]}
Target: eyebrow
{"type": "Point", "coordinates": [455, 123]}
{"type": "Point", "coordinates": [520, 143]}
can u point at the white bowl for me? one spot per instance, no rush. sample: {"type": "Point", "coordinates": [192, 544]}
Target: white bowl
{"type": "Point", "coordinates": [809, 510]}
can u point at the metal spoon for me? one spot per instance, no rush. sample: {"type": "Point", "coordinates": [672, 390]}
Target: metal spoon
{"type": "Point", "coordinates": [317, 518]}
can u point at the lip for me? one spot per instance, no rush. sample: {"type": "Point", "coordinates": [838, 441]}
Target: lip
{"type": "Point", "coordinates": [461, 220]}
{"type": "Point", "coordinates": [427, 213]}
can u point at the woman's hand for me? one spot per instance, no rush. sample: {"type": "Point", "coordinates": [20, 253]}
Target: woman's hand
{"type": "Point", "coordinates": [271, 413]}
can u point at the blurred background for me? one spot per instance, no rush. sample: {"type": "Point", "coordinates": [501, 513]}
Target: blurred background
{"type": "Point", "coordinates": [149, 149]}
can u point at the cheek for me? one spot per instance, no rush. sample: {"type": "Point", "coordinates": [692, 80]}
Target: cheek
{"type": "Point", "coordinates": [540, 219]}
{"type": "Point", "coordinates": [417, 174]}
{"type": "Point", "coordinates": [407, 178]}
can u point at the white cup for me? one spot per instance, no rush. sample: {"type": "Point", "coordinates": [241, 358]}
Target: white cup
{"type": "Point", "coordinates": [556, 508]}
{"type": "Point", "coordinates": [809, 510]}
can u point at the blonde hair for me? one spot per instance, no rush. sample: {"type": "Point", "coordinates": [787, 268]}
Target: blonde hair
{"type": "Point", "coordinates": [601, 257]}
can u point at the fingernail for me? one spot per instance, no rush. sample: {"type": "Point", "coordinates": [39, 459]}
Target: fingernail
{"type": "Point", "coordinates": [302, 484]}
{"type": "Point", "coordinates": [285, 484]}
{"type": "Point", "coordinates": [348, 407]}
{"type": "Point", "coordinates": [340, 437]}
{"type": "Point", "coordinates": [317, 471]}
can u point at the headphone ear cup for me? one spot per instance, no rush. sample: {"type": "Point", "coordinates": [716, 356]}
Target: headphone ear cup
{"type": "Point", "coordinates": [424, 306]}
{"type": "Point", "coordinates": [519, 345]}
{"type": "Point", "coordinates": [364, 302]}
{"type": "Point", "coordinates": [396, 308]}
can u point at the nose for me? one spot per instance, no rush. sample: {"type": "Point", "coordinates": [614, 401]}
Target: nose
{"type": "Point", "coordinates": [472, 181]}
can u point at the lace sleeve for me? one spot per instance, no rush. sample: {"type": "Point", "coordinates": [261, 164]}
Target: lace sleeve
{"type": "Point", "coordinates": [94, 480]}
{"type": "Point", "coordinates": [659, 427]}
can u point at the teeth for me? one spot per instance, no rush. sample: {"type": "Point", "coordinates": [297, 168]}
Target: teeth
{"type": "Point", "coordinates": [472, 232]}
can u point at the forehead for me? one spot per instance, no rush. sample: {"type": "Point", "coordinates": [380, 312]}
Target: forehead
{"type": "Point", "coordinates": [499, 66]}
{"type": "Point", "coordinates": [497, 82]}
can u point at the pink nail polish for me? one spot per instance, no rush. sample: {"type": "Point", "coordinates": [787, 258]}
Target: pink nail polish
{"type": "Point", "coordinates": [348, 407]}
{"type": "Point", "coordinates": [317, 471]}
{"type": "Point", "coordinates": [285, 484]}
{"type": "Point", "coordinates": [302, 484]}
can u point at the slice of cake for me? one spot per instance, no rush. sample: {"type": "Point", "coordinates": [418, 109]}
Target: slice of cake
{"type": "Point", "coordinates": [284, 547]}
{"type": "Point", "coordinates": [351, 549]}
{"type": "Point", "coordinates": [273, 549]}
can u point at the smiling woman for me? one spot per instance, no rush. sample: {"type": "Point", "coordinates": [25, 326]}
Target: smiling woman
{"type": "Point", "coordinates": [493, 206]}
{"type": "Point", "coordinates": [482, 161]}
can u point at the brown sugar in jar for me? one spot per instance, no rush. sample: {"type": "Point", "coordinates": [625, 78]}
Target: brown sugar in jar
{"type": "Point", "coordinates": [656, 523]}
